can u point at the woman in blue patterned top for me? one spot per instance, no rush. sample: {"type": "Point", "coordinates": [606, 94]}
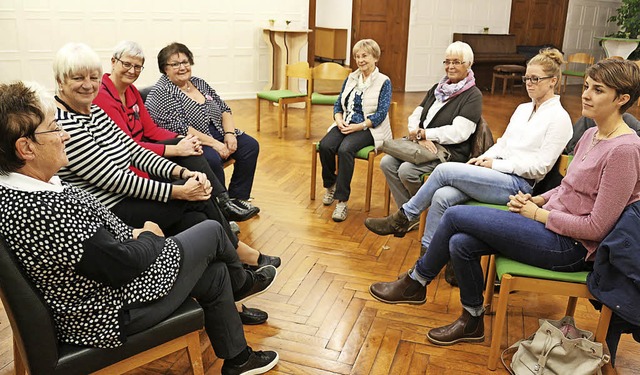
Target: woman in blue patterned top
{"type": "Point", "coordinates": [102, 279]}
{"type": "Point", "coordinates": [186, 104]}
{"type": "Point", "coordinates": [360, 119]}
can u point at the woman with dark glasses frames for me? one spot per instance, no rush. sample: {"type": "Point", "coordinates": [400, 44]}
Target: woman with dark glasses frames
{"type": "Point", "coordinates": [534, 139]}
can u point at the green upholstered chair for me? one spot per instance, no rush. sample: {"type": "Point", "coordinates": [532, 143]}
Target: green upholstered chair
{"type": "Point", "coordinates": [285, 97]}
{"type": "Point", "coordinates": [366, 153]}
{"type": "Point", "coordinates": [577, 65]}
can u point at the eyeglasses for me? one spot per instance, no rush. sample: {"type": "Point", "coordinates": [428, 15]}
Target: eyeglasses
{"type": "Point", "coordinates": [58, 129]}
{"type": "Point", "coordinates": [453, 62]}
{"type": "Point", "coordinates": [176, 65]}
{"type": "Point", "coordinates": [128, 66]}
{"type": "Point", "coordinates": [534, 80]}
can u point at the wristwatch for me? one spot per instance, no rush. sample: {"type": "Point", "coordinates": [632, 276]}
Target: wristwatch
{"type": "Point", "coordinates": [418, 134]}
{"type": "Point", "coordinates": [364, 126]}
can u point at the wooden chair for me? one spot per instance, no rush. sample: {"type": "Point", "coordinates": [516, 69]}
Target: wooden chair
{"type": "Point", "coordinates": [285, 97]}
{"type": "Point", "coordinates": [326, 73]}
{"type": "Point", "coordinates": [516, 276]}
{"type": "Point", "coordinates": [572, 69]}
{"type": "Point", "coordinates": [36, 349]}
{"type": "Point", "coordinates": [366, 153]}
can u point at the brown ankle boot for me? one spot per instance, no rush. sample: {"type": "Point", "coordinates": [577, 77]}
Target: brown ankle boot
{"type": "Point", "coordinates": [466, 329]}
{"type": "Point", "coordinates": [403, 290]}
{"type": "Point", "coordinates": [396, 224]}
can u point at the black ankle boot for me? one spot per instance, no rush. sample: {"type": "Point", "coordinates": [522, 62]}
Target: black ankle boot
{"type": "Point", "coordinates": [234, 212]}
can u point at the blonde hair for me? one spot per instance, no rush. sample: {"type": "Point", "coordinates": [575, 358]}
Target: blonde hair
{"type": "Point", "coordinates": [74, 58]}
{"type": "Point", "coordinates": [551, 60]}
{"type": "Point", "coordinates": [369, 46]}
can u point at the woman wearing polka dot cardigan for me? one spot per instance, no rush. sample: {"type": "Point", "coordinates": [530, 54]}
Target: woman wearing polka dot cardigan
{"type": "Point", "coordinates": [102, 279]}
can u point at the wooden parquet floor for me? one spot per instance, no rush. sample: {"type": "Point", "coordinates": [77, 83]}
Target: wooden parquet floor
{"type": "Point", "coordinates": [322, 318]}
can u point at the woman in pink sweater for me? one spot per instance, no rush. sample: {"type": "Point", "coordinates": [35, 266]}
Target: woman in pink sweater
{"type": "Point", "coordinates": [559, 230]}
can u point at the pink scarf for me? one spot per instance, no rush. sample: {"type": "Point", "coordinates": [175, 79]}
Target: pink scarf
{"type": "Point", "coordinates": [447, 90]}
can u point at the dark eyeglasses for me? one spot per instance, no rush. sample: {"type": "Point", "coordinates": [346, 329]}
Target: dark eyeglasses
{"type": "Point", "coordinates": [534, 80]}
{"type": "Point", "coordinates": [176, 65]}
{"type": "Point", "coordinates": [127, 65]}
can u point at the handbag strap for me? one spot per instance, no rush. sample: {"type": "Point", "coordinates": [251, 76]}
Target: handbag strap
{"type": "Point", "coordinates": [513, 349]}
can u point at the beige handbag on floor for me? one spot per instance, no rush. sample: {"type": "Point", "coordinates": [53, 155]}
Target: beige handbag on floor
{"type": "Point", "coordinates": [558, 348]}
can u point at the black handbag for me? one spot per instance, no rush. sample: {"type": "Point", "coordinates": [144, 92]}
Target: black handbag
{"type": "Point", "coordinates": [407, 150]}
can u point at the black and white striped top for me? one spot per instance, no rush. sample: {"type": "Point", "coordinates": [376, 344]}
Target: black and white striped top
{"type": "Point", "coordinates": [100, 156]}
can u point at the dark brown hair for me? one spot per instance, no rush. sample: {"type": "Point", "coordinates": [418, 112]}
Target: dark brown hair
{"type": "Point", "coordinates": [21, 112]}
{"type": "Point", "coordinates": [170, 50]}
{"type": "Point", "coordinates": [621, 75]}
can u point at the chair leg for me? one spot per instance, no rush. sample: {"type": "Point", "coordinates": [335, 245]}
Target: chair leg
{"type": "Point", "coordinates": [499, 322]}
{"type": "Point", "coordinates": [258, 114]}
{"type": "Point", "coordinates": [423, 222]}
{"type": "Point", "coordinates": [387, 198]}
{"type": "Point", "coordinates": [307, 107]}
{"type": "Point", "coordinates": [488, 261]}
{"type": "Point", "coordinates": [195, 353]}
{"type": "Point", "coordinates": [571, 306]}
{"type": "Point", "coordinates": [370, 160]}
{"type": "Point", "coordinates": [505, 82]}
{"type": "Point", "coordinates": [280, 113]}
{"type": "Point", "coordinates": [603, 324]}
{"type": "Point", "coordinates": [314, 167]}
{"type": "Point", "coordinates": [286, 115]}
{"type": "Point", "coordinates": [493, 84]}
{"type": "Point", "coordinates": [18, 365]}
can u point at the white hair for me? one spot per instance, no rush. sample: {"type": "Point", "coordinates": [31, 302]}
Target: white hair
{"type": "Point", "coordinates": [45, 99]}
{"type": "Point", "coordinates": [74, 58]}
{"type": "Point", "coordinates": [128, 48]}
{"type": "Point", "coordinates": [461, 49]}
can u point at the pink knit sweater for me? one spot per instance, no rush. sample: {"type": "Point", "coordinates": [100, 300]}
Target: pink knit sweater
{"type": "Point", "coordinates": [590, 199]}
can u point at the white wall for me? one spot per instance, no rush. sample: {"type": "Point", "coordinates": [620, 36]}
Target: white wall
{"type": "Point", "coordinates": [587, 19]}
{"type": "Point", "coordinates": [431, 29]}
{"type": "Point", "coordinates": [225, 36]}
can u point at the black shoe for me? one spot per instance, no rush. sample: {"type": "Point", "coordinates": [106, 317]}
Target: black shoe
{"type": "Point", "coordinates": [258, 363]}
{"type": "Point", "coordinates": [266, 260]}
{"type": "Point", "coordinates": [251, 316]}
{"type": "Point", "coordinates": [235, 211]}
{"type": "Point", "coordinates": [257, 282]}
{"type": "Point", "coordinates": [242, 204]}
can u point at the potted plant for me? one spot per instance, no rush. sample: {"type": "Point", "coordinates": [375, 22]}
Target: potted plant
{"type": "Point", "coordinates": [628, 19]}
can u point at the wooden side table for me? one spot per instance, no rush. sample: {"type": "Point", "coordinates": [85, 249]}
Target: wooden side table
{"type": "Point", "coordinates": [506, 73]}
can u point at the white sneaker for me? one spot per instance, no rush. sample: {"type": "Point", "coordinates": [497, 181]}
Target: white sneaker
{"type": "Point", "coordinates": [328, 195]}
{"type": "Point", "coordinates": [340, 212]}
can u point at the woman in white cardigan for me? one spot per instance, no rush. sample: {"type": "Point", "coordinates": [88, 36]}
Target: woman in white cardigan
{"type": "Point", "coordinates": [361, 119]}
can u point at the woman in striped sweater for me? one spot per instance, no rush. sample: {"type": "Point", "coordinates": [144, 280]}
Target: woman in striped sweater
{"type": "Point", "coordinates": [101, 156]}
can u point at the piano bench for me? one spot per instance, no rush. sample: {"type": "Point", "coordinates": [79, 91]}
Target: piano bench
{"type": "Point", "coordinates": [506, 73]}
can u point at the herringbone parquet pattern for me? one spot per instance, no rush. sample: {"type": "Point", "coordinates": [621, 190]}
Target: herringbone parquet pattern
{"type": "Point", "coordinates": [322, 318]}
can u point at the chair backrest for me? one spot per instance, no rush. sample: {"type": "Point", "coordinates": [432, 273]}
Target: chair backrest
{"type": "Point", "coordinates": [580, 58]}
{"type": "Point", "coordinates": [329, 71]}
{"type": "Point", "coordinates": [31, 321]}
{"type": "Point", "coordinates": [299, 70]}
{"type": "Point", "coordinates": [393, 108]}
{"type": "Point", "coordinates": [144, 92]}
{"type": "Point", "coordinates": [481, 139]}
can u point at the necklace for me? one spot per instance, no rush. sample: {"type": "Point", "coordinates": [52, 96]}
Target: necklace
{"type": "Point", "coordinates": [188, 87]}
{"type": "Point", "coordinates": [595, 140]}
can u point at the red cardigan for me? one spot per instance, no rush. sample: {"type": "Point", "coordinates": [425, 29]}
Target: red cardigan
{"type": "Point", "coordinates": [133, 119]}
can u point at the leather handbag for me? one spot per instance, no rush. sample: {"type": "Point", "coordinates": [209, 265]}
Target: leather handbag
{"type": "Point", "coordinates": [557, 347]}
{"type": "Point", "coordinates": [407, 150]}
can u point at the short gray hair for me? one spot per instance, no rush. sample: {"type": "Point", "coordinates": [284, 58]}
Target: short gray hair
{"type": "Point", "coordinates": [73, 58]}
{"type": "Point", "coordinates": [461, 49]}
{"type": "Point", "coordinates": [369, 46]}
{"type": "Point", "coordinates": [129, 48]}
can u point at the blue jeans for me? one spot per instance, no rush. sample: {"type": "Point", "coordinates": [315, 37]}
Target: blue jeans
{"type": "Point", "coordinates": [453, 183]}
{"type": "Point", "coordinates": [468, 232]}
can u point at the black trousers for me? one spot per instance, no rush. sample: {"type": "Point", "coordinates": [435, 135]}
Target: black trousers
{"type": "Point", "coordinates": [173, 216]}
{"type": "Point", "coordinates": [345, 146]}
{"type": "Point", "coordinates": [210, 273]}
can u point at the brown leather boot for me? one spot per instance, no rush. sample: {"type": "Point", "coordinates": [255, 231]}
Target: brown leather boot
{"type": "Point", "coordinates": [396, 224]}
{"type": "Point", "coordinates": [466, 329]}
{"type": "Point", "coordinates": [403, 290]}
